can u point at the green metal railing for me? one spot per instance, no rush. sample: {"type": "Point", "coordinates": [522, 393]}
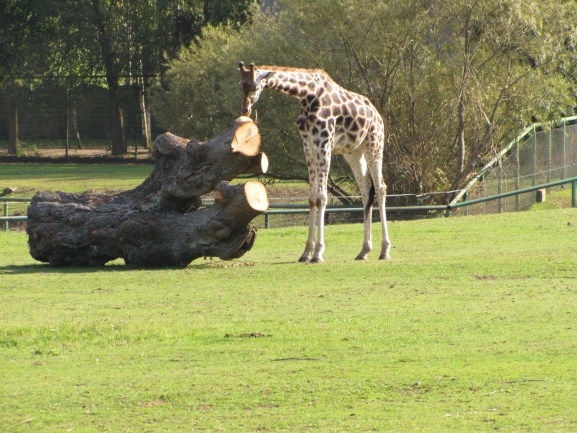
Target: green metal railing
{"type": "Point", "coordinates": [573, 181]}
{"type": "Point", "coordinates": [7, 218]}
{"type": "Point", "coordinates": [530, 133]}
{"type": "Point", "coordinates": [288, 209]}
{"type": "Point", "coordinates": [281, 209]}
{"type": "Point", "coordinates": [292, 209]}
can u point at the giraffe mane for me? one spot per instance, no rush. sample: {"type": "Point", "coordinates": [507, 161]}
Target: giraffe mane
{"type": "Point", "coordinates": [288, 69]}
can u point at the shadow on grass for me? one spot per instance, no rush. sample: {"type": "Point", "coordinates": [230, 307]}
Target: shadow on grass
{"type": "Point", "coordinates": [119, 266]}
{"type": "Point", "coordinates": [43, 268]}
{"type": "Point", "coordinates": [225, 264]}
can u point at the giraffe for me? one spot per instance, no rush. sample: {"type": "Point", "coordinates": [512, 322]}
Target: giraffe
{"type": "Point", "coordinates": [332, 121]}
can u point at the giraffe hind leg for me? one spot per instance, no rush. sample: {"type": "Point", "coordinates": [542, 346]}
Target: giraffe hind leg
{"type": "Point", "coordinates": [386, 244]}
{"type": "Point", "coordinates": [358, 164]}
{"type": "Point", "coordinates": [368, 218]}
{"type": "Point", "coordinates": [381, 193]}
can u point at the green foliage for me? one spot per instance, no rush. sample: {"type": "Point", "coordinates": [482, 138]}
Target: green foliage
{"type": "Point", "coordinates": [235, 12]}
{"type": "Point", "coordinates": [453, 80]}
{"type": "Point", "coordinates": [27, 38]}
{"type": "Point", "coordinates": [101, 42]}
{"type": "Point", "coordinates": [200, 96]}
{"type": "Point", "coordinates": [67, 38]}
{"type": "Point", "coordinates": [183, 96]}
{"type": "Point", "coordinates": [460, 332]}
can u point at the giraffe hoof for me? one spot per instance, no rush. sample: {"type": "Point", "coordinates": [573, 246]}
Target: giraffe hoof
{"type": "Point", "coordinates": [304, 259]}
{"type": "Point", "coordinates": [384, 257]}
{"type": "Point", "coordinates": [317, 260]}
{"type": "Point", "coordinates": [361, 257]}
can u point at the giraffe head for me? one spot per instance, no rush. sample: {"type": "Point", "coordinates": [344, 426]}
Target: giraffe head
{"type": "Point", "coordinates": [252, 82]}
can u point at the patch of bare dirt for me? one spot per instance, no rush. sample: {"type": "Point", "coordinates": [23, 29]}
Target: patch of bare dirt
{"type": "Point", "coordinates": [77, 155]}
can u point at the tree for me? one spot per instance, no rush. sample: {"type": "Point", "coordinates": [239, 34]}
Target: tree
{"type": "Point", "coordinates": [200, 93]}
{"type": "Point", "coordinates": [504, 61]}
{"type": "Point", "coordinates": [26, 38]}
{"type": "Point", "coordinates": [120, 40]}
{"type": "Point", "coordinates": [453, 80]}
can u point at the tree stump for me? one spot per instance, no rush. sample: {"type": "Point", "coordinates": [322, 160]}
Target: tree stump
{"type": "Point", "coordinates": [161, 222]}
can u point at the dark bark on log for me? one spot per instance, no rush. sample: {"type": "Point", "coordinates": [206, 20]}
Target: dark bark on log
{"type": "Point", "coordinates": [160, 222]}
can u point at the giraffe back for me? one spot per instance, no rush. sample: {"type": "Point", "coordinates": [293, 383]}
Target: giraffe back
{"type": "Point", "coordinates": [329, 112]}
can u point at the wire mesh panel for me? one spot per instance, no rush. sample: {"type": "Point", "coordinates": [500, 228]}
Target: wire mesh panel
{"type": "Point", "coordinates": [55, 116]}
{"type": "Point", "coordinates": [544, 156]}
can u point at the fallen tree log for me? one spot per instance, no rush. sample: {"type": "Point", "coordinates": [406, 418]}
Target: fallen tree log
{"type": "Point", "coordinates": [160, 222]}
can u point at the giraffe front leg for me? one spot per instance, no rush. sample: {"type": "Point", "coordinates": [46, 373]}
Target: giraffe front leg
{"type": "Point", "coordinates": [318, 157]}
{"type": "Point", "coordinates": [320, 244]}
{"type": "Point", "coordinates": [321, 199]}
{"type": "Point", "coordinates": [307, 254]}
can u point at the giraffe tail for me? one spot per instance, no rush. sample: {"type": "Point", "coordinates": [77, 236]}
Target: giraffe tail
{"type": "Point", "coordinates": [370, 201]}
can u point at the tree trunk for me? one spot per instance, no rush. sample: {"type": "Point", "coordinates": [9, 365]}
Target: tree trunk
{"type": "Point", "coordinates": [160, 222]}
{"type": "Point", "coordinates": [118, 139]}
{"type": "Point", "coordinates": [461, 135]}
{"type": "Point", "coordinates": [74, 121]}
{"type": "Point", "coordinates": [144, 114]}
{"type": "Point", "coordinates": [113, 69]}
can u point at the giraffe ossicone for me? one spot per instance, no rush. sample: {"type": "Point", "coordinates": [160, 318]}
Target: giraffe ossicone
{"type": "Point", "coordinates": [332, 120]}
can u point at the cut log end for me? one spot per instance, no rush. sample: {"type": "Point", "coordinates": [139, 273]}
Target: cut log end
{"type": "Point", "coordinates": [263, 163]}
{"type": "Point", "coordinates": [257, 165]}
{"type": "Point", "coordinates": [246, 138]}
{"type": "Point", "coordinates": [245, 198]}
{"type": "Point", "coordinates": [256, 196]}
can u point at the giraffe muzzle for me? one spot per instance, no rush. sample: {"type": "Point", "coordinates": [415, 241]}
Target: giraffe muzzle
{"type": "Point", "coordinates": [246, 110]}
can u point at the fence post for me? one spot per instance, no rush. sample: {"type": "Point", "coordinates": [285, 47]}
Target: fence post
{"type": "Point", "coordinates": [549, 145]}
{"type": "Point", "coordinates": [574, 193]}
{"type": "Point", "coordinates": [137, 118]}
{"type": "Point", "coordinates": [500, 186]}
{"type": "Point", "coordinates": [534, 156]}
{"type": "Point", "coordinates": [6, 214]}
{"type": "Point", "coordinates": [564, 148]}
{"type": "Point", "coordinates": [517, 179]}
{"type": "Point", "coordinates": [67, 144]}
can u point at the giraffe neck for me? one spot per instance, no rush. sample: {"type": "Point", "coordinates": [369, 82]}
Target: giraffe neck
{"type": "Point", "coordinates": [299, 83]}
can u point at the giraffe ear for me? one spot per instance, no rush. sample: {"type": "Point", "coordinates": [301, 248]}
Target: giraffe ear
{"type": "Point", "coordinates": [253, 72]}
{"type": "Point", "coordinates": [268, 74]}
{"type": "Point", "coordinates": [246, 75]}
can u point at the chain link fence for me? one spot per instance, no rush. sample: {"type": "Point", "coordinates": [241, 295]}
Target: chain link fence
{"type": "Point", "coordinates": [56, 118]}
{"type": "Point", "coordinates": [536, 157]}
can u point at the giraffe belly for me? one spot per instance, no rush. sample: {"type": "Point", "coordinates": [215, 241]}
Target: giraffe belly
{"type": "Point", "coordinates": [344, 143]}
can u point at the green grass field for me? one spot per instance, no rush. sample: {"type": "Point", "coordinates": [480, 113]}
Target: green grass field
{"type": "Point", "coordinates": [472, 327]}
{"type": "Point", "coordinates": [27, 179]}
